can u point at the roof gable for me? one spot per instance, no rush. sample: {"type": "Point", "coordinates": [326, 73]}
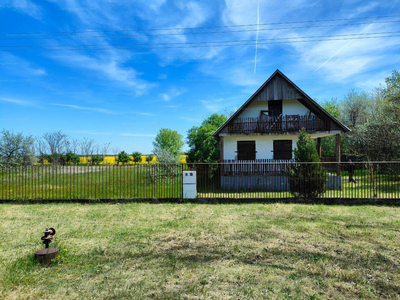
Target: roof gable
{"type": "Point", "coordinates": [279, 87]}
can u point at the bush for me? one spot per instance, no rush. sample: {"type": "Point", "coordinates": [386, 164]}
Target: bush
{"type": "Point", "coordinates": [123, 158]}
{"type": "Point", "coordinates": [96, 159]}
{"type": "Point", "coordinates": [149, 158]}
{"type": "Point", "coordinates": [72, 158]}
{"type": "Point", "coordinates": [137, 157]}
{"type": "Point", "coordinates": [56, 159]}
{"type": "Point", "coordinates": [15, 150]}
{"type": "Point", "coordinates": [307, 177]}
{"type": "Point", "coordinates": [167, 165]}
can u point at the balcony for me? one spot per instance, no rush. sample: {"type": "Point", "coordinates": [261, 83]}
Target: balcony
{"type": "Point", "coordinates": [280, 124]}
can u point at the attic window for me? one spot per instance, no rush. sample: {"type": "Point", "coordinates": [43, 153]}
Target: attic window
{"type": "Point", "coordinates": [283, 149]}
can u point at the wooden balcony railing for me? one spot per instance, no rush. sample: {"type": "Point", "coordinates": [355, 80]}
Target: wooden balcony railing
{"type": "Point", "coordinates": [287, 123]}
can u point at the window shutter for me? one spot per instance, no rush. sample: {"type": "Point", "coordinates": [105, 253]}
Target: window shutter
{"type": "Point", "coordinates": [283, 149]}
{"type": "Point", "coordinates": [246, 150]}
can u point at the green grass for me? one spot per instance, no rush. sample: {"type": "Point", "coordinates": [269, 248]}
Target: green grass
{"type": "Point", "coordinates": [88, 182]}
{"type": "Point", "coordinates": [189, 251]}
{"type": "Point", "coordinates": [135, 182]}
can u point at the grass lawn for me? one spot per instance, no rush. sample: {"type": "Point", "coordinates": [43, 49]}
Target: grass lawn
{"type": "Point", "coordinates": [143, 181]}
{"type": "Point", "coordinates": [194, 251]}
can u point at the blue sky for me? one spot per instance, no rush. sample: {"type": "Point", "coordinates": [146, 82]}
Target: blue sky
{"type": "Point", "coordinates": [140, 79]}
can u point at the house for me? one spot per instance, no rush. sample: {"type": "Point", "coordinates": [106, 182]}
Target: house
{"type": "Point", "coordinates": [266, 127]}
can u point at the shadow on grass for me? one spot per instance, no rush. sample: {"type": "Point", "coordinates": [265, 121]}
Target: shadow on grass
{"type": "Point", "coordinates": [324, 201]}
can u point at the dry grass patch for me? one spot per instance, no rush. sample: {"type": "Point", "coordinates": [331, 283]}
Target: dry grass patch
{"type": "Point", "coordinates": [189, 251]}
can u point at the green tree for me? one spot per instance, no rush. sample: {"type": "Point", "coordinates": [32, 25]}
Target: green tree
{"type": "Point", "coordinates": [137, 157]}
{"type": "Point", "coordinates": [168, 139]}
{"type": "Point", "coordinates": [96, 159]}
{"type": "Point", "coordinates": [202, 146]}
{"type": "Point", "coordinates": [149, 158]}
{"type": "Point", "coordinates": [56, 159]}
{"type": "Point", "coordinates": [72, 158]}
{"type": "Point", "coordinates": [307, 178]}
{"type": "Point", "coordinates": [167, 166]}
{"type": "Point", "coordinates": [123, 158]}
{"type": "Point", "coordinates": [328, 144]}
{"type": "Point", "coordinates": [15, 150]}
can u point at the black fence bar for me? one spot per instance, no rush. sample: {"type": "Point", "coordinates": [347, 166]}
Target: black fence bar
{"type": "Point", "coordinates": [258, 179]}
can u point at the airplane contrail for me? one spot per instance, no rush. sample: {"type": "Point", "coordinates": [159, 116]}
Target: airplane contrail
{"type": "Point", "coordinates": [258, 22]}
{"type": "Point", "coordinates": [342, 48]}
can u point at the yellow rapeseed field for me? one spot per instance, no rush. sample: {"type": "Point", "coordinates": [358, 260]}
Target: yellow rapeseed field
{"type": "Point", "coordinates": [110, 160]}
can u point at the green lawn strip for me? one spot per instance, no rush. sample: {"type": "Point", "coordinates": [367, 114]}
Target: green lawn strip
{"type": "Point", "coordinates": [88, 182]}
{"type": "Point", "coordinates": [173, 251]}
{"type": "Point", "coordinates": [91, 183]}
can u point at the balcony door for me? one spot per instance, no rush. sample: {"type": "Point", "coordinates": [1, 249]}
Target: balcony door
{"type": "Point", "coordinates": [275, 108]}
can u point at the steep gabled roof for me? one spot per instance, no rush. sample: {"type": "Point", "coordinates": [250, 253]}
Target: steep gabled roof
{"type": "Point", "coordinates": [305, 100]}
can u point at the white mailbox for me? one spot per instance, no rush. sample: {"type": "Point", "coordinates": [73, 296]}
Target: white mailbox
{"type": "Point", "coordinates": [189, 184]}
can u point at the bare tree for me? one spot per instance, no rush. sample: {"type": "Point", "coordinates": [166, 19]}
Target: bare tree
{"type": "Point", "coordinates": [105, 148]}
{"type": "Point", "coordinates": [39, 146]}
{"type": "Point", "coordinates": [87, 146]}
{"type": "Point", "coordinates": [116, 150]}
{"type": "Point", "coordinates": [56, 141]}
{"type": "Point", "coordinates": [73, 146]}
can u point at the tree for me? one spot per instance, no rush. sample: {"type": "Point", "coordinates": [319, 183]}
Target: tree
{"type": "Point", "coordinates": [374, 121]}
{"type": "Point", "coordinates": [123, 158]}
{"type": "Point", "coordinates": [168, 166]}
{"type": "Point", "coordinates": [166, 157]}
{"type": "Point", "coordinates": [56, 141]}
{"type": "Point", "coordinates": [87, 146]}
{"type": "Point", "coordinates": [168, 139]}
{"type": "Point", "coordinates": [137, 157]}
{"type": "Point", "coordinates": [16, 150]}
{"type": "Point", "coordinates": [149, 158]}
{"type": "Point", "coordinates": [72, 158]}
{"type": "Point", "coordinates": [307, 178]}
{"type": "Point", "coordinates": [202, 146]}
{"type": "Point", "coordinates": [96, 159]}
{"type": "Point", "coordinates": [328, 144]}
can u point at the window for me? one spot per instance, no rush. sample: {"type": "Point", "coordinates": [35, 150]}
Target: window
{"type": "Point", "coordinates": [275, 108]}
{"type": "Point", "coordinates": [246, 150]}
{"type": "Point", "coordinates": [283, 149]}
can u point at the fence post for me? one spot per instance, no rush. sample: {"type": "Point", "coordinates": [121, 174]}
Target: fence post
{"type": "Point", "coordinates": [338, 154]}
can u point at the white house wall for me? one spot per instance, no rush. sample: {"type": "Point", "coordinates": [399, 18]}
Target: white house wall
{"type": "Point", "coordinates": [253, 110]}
{"type": "Point", "coordinates": [294, 107]}
{"type": "Point", "coordinates": [264, 145]}
{"type": "Point", "coordinates": [289, 107]}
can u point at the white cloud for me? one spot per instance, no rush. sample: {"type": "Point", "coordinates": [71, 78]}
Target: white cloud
{"type": "Point", "coordinates": [173, 92]}
{"type": "Point", "coordinates": [23, 6]}
{"type": "Point", "coordinates": [17, 102]}
{"type": "Point", "coordinates": [214, 105]}
{"type": "Point", "coordinates": [110, 65]}
{"type": "Point", "coordinates": [17, 66]}
{"type": "Point", "coordinates": [96, 109]}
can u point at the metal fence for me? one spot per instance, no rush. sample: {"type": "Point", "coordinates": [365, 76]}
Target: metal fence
{"type": "Point", "coordinates": [379, 180]}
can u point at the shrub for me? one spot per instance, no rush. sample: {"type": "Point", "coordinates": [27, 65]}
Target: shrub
{"type": "Point", "coordinates": [137, 157]}
{"type": "Point", "coordinates": [123, 158]}
{"type": "Point", "coordinates": [56, 159]}
{"type": "Point", "coordinates": [307, 177]}
{"type": "Point", "coordinates": [15, 150]}
{"type": "Point", "coordinates": [72, 158]}
{"type": "Point", "coordinates": [167, 165]}
{"type": "Point", "coordinates": [149, 158]}
{"type": "Point", "coordinates": [96, 159]}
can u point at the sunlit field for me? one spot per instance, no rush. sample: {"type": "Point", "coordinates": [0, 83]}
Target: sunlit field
{"type": "Point", "coordinates": [192, 251]}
